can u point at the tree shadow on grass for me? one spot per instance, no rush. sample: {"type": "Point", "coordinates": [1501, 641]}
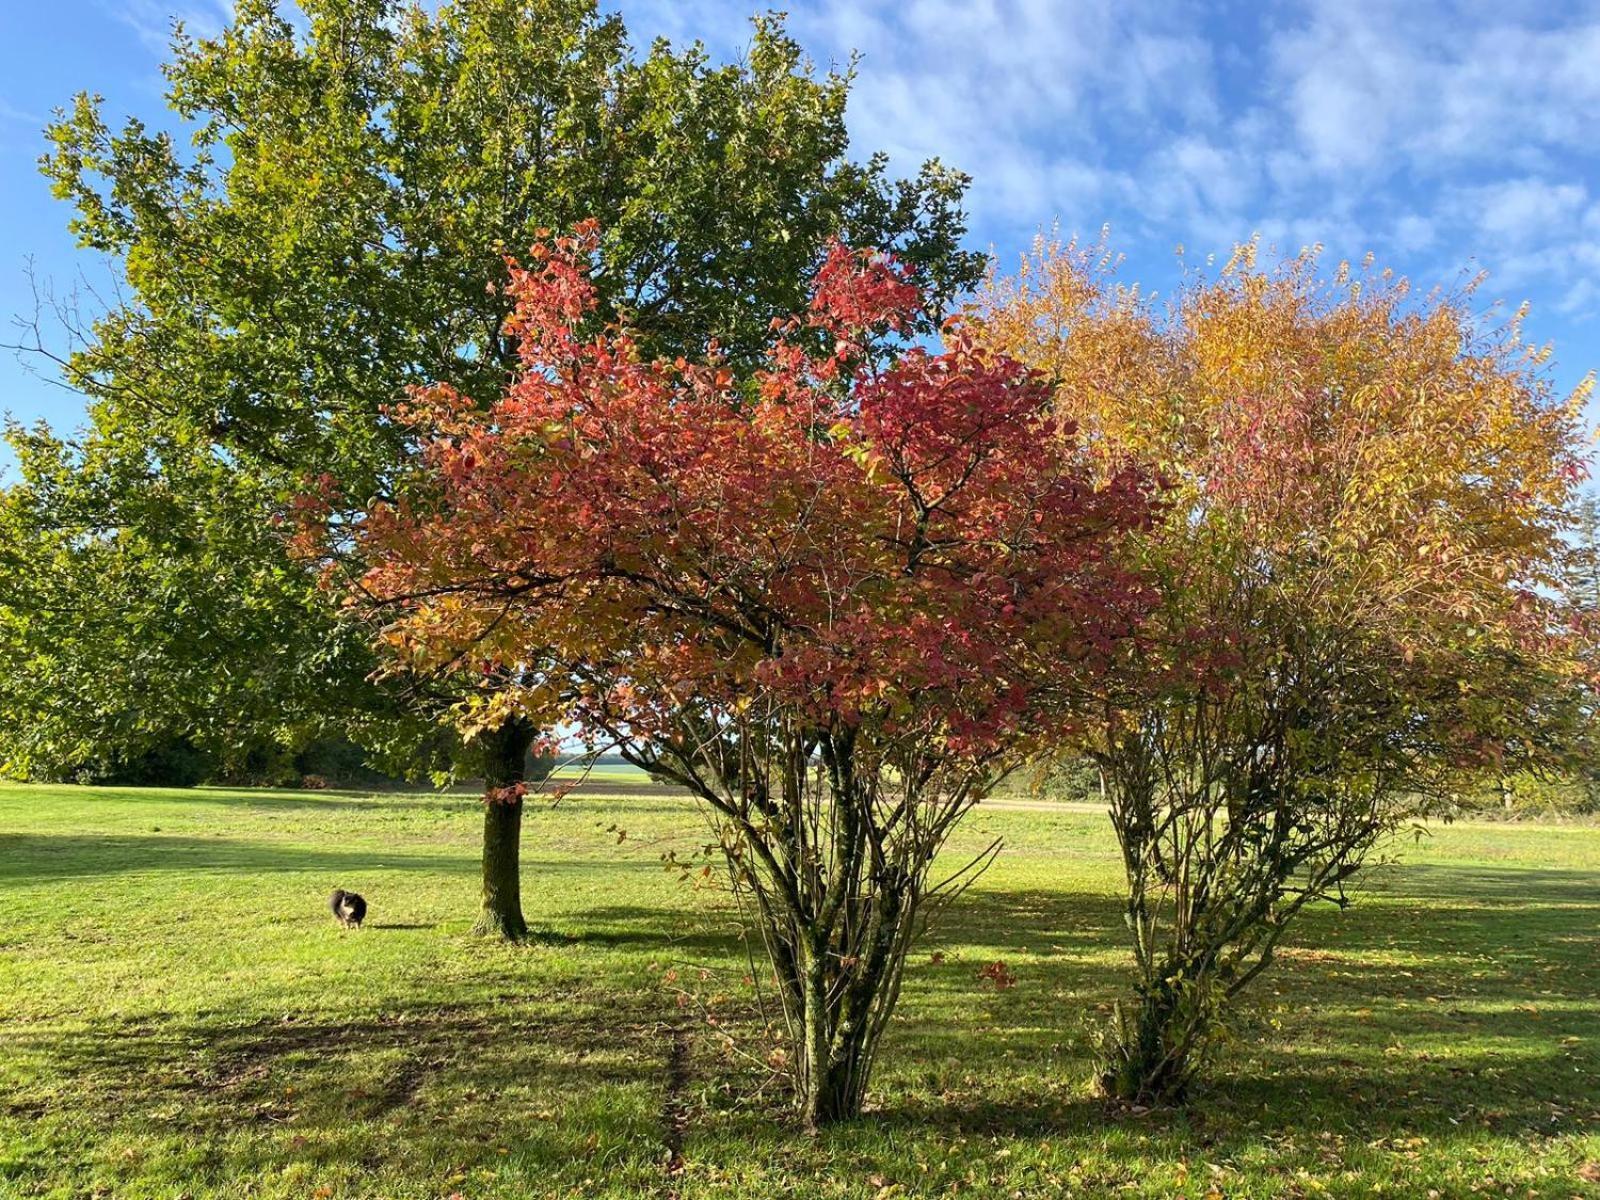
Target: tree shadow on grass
{"type": "Point", "coordinates": [189, 1060]}
{"type": "Point", "coordinates": [1484, 885]}
{"type": "Point", "coordinates": [26, 857]}
{"type": "Point", "coordinates": [1443, 1003]}
{"type": "Point", "coordinates": [1448, 1003]}
{"type": "Point", "coordinates": [407, 1090]}
{"type": "Point", "coordinates": [271, 799]}
{"type": "Point", "coordinates": [668, 934]}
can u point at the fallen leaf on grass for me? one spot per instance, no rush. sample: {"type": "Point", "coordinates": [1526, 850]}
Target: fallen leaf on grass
{"type": "Point", "coordinates": [998, 974]}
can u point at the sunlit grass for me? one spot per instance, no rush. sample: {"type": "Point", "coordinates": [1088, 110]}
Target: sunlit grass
{"type": "Point", "coordinates": [179, 1015]}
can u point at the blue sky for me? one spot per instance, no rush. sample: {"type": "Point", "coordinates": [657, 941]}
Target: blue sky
{"type": "Point", "coordinates": [1445, 136]}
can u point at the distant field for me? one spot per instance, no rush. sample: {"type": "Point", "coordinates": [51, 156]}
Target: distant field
{"type": "Point", "coordinates": [611, 779]}
{"type": "Point", "coordinates": [179, 1016]}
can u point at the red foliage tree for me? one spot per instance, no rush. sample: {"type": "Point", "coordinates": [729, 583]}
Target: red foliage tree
{"type": "Point", "coordinates": [836, 601]}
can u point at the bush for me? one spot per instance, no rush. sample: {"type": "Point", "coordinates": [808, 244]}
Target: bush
{"type": "Point", "coordinates": [172, 763]}
{"type": "Point", "coordinates": [1525, 796]}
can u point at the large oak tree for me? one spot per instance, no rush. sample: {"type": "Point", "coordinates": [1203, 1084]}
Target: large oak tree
{"type": "Point", "coordinates": [333, 231]}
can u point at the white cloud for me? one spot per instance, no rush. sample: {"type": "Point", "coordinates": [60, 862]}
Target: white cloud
{"type": "Point", "coordinates": [1412, 232]}
{"type": "Point", "coordinates": [152, 20]}
{"type": "Point", "coordinates": [1438, 133]}
{"type": "Point", "coordinates": [10, 112]}
{"type": "Point", "coordinates": [1581, 300]}
{"type": "Point", "coordinates": [1035, 99]}
{"type": "Point", "coordinates": [1521, 211]}
{"type": "Point", "coordinates": [1343, 83]}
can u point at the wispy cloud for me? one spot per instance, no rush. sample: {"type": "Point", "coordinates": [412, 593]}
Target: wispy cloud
{"type": "Point", "coordinates": [1050, 109]}
{"type": "Point", "coordinates": [1439, 133]}
{"type": "Point", "coordinates": [151, 21]}
{"type": "Point", "coordinates": [11, 113]}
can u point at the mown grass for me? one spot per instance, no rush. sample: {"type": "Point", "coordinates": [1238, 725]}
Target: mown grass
{"type": "Point", "coordinates": [180, 1016]}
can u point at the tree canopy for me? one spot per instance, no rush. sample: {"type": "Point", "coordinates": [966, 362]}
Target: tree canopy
{"type": "Point", "coordinates": [334, 232]}
{"type": "Point", "coordinates": [1360, 575]}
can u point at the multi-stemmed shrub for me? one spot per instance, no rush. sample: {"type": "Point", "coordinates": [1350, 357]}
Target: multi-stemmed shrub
{"type": "Point", "coordinates": [1359, 565]}
{"type": "Point", "coordinates": [836, 599]}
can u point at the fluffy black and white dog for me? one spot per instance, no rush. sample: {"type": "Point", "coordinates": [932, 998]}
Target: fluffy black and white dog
{"type": "Point", "coordinates": [349, 908]}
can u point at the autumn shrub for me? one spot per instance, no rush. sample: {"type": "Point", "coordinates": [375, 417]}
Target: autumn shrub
{"type": "Point", "coordinates": [835, 599]}
{"type": "Point", "coordinates": [1360, 613]}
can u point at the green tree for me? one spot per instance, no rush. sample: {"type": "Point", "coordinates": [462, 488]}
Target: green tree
{"type": "Point", "coordinates": [336, 230]}
{"type": "Point", "coordinates": [152, 633]}
{"type": "Point", "coordinates": [1581, 583]}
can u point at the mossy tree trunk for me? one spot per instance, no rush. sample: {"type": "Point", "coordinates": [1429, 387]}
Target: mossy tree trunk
{"type": "Point", "coordinates": [506, 752]}
{"type": "Point", "coordinates": [1154, 1051]}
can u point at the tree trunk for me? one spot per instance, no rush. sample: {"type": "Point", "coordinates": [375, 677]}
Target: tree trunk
{"type": "Point", "coordinates": [814, 1092]}
{"type": "Point", "coordinates": [831, 1096]}
{"type": "Point", "coordinates": [832, 1059]}
{"type": "Point", "coordinates": [1153, 1055]}
{"type": "Point", "coordinates": [506, 750]}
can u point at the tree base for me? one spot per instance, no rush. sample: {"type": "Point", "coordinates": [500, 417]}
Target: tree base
{"type": "Point", "coordinates": [1150, 1058]}
{"type": "Point", "coordinates": [507, 927]}
{"type": "Point", "coordinates": [834, 1100]}
{"type": "Point", "coordinates": [815, 1121]}
{"type": "Point", "coordinates": [1143, 1086]}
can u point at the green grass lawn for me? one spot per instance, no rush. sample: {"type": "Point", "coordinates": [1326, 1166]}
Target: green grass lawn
{"type": "Point", "coordinates": [180, 1016]}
